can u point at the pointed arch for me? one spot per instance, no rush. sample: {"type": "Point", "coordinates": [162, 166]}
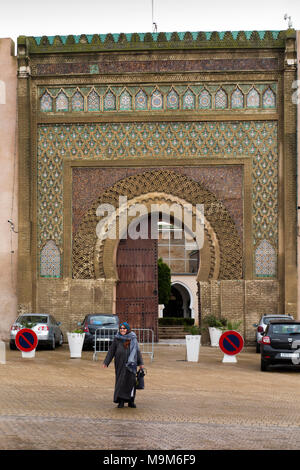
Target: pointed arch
{"type": "Point", "coordinates": [205, 99]}
{"type": "Point", "coordinates": [221, 99]}
{"type": "Point", "coordinates": [141, 101]}
{"type": "Point", "coordinates": [237, 99]}
{"type": "Point", "coordinates": [253, 98]}
{"type": "Point", "coordinates": [93, 101]}
{"type": "Point", "coordinates": [157, 100]}
{"type": "Point", "coordinates": [77, 101]}
{"type": "Point", "coordinates": [172, 99]}
{"type": "Point", "coordinates": [109, 101]}
{"type": "Point", "coordinates": [269, 98]}
{"type": "Point", "coordinates": [62, 102]}
{"type": "Point", "coordinates": [125, 101]}
{"type": "Point", "coordinates": [46, 102]}
{"type": "Point", "coordinates": [189, 100]}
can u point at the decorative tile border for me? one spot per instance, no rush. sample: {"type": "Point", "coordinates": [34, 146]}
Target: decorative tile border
{"type": "Point", "coordinates": [184, 97]}
{"type": "Point", "coordinates": [107, 66]}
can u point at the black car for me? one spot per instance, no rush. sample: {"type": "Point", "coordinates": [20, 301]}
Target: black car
{"type": "Point", "coordinates": [281, 344]}
{"type": "Point", "coordinates": [100, 330]}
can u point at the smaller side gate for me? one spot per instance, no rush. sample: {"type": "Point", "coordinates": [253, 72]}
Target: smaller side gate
{"type": "Point", "coordinates": [104, 337]}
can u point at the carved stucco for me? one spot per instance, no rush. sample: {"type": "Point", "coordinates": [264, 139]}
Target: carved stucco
{"type": "Point", "coordinates": [222, 252]}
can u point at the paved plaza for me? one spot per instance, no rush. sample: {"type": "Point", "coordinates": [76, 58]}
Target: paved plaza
{"type": "Point", "coordinates": [54, 402]}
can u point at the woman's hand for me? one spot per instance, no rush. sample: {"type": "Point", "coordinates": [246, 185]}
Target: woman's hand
{"type": "Point", "coordinates": [141, 366]}
{"type": "Point", "coordinates": [104, 366]}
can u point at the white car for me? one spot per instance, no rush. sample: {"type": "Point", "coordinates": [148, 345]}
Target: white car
{"type": "Point", "coordinates": [262, 325]}
{"type": "Point", "coordinates": [44, 325]}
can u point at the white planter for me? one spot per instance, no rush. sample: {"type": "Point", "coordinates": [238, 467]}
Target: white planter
{"type": "Point", "coordinates": [160, 310]}
{"type": "Point", "coordinates": [215, 334]}
{"type": "Point", "coordinates": [192, 347]}
{"type": "Point", "coordinates": [2, 353]}
{"type": "Point", "coordinates": [75, 341]}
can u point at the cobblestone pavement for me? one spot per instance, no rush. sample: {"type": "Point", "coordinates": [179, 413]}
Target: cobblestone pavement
{"type": "Point", "coordinates": [54, 402]}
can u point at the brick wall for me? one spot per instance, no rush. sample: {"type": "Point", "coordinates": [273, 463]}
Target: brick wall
{"type": "Point", "coordinates": [244, 301]}
{"type": "Point", "coordinates": [69, 300]}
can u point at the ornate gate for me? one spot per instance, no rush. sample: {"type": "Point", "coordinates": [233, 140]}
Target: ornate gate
{"type": "Point", "coordinates": [137, 291]}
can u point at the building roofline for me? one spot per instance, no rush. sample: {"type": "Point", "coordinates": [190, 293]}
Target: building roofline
{"type": "Point", "coordinates": [155, 41]}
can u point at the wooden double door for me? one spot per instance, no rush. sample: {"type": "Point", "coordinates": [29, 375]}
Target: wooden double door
{"type": "Point", "coordinates": [137, 288]}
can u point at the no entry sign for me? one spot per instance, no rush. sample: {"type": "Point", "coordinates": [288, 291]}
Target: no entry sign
{"type": "Point", "coordinates": [231, 342]}
{"type": "Point", "coordinates": [26, 340]}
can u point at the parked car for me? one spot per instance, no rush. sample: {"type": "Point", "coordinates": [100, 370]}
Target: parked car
{"type": "Point", "coordinates": [105, 325]}
{"type": "Point", "coordinates": [281, 344]}
{"type": "Point", "coordinates": [44, 325]}
{"type": "Point", "coordinates": [263, 323]}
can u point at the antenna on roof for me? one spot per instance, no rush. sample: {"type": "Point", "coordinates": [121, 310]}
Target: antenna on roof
{"type": "Point", "coordinates": [154, 25]}
{"type": "Point", "coordinates": [286, 17]}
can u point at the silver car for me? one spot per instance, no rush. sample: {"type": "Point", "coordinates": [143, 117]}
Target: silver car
{"type": "Point", "coordinates": [44, 325]}
{"type": "Point", "coordinates": [262, 325]}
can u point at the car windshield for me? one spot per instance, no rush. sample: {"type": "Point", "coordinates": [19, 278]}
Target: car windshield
{"type": "Point", "coordinates": [267, 320]}
{"type": "Point", "coordinates": [285, 329]}
{"type": "Point", "coordinates": [102, 320]}
{"type": "Point", "coordinates": [23, 319]}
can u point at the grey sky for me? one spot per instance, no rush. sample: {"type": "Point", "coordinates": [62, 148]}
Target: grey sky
{"type": "Point", "coordinates": [38, 18]}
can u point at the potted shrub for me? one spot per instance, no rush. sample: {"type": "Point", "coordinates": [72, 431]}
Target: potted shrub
{"type": "Point", "coordinates": [75, 340]}
{"type": "Point", "coordinates": [193, 341]}
{"type": "Point", "coordinates": [215, 326]}
{"type": "Point", "coordinates": [164, 282]}
{"type": "Point", "coordinates": [229, 325]}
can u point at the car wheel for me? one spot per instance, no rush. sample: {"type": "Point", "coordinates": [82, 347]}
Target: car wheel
{"type": "Point", "coordinates": [52, 343]}
{"type": "Point", "coordinates": [61, 340]}
{"type": "Point", "coordinates": [263, 366]}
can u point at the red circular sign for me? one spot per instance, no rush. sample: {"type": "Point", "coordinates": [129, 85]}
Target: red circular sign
{"type": "Point", "coordinates": [231, 342]}
{"type": "Point", "coordinates": [26, 340]}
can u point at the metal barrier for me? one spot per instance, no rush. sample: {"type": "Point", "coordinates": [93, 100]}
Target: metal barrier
{"type": "Point", "coordinates": [102, 340]}
{"type": "Point", "coordinates": [145, 338]}
{"type": "Point", "coordinates": [104, 337]}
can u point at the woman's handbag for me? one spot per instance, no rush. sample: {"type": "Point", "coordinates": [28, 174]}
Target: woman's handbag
{"type": "Point", "coordinates": [140, 382]}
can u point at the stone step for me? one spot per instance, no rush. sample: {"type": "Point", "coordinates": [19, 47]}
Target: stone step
{"type": "Point", "coordinates": [172, 332]}
{"type": "Point", "coordinates": [171, 337]}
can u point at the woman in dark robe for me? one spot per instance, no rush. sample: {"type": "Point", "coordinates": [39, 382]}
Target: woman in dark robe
{"type": "Point", "coordinates": [125, 350]}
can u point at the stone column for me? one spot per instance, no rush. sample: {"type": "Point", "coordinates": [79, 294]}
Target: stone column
{"type": "Point", "coordinates": [25, 183]}
{"type": "Point", "coordinates": [289, 176]}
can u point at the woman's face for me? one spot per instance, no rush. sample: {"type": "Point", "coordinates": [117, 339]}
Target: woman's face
{"type": "Point", "coordinates": [123, 330]}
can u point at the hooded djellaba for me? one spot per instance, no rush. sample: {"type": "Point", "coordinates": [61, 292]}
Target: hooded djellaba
{"type": "Point", "coordinates": [125, 350]}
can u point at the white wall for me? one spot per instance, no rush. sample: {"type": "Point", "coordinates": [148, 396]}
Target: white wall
{"type": "Point", "coordinates": [8, 185]}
